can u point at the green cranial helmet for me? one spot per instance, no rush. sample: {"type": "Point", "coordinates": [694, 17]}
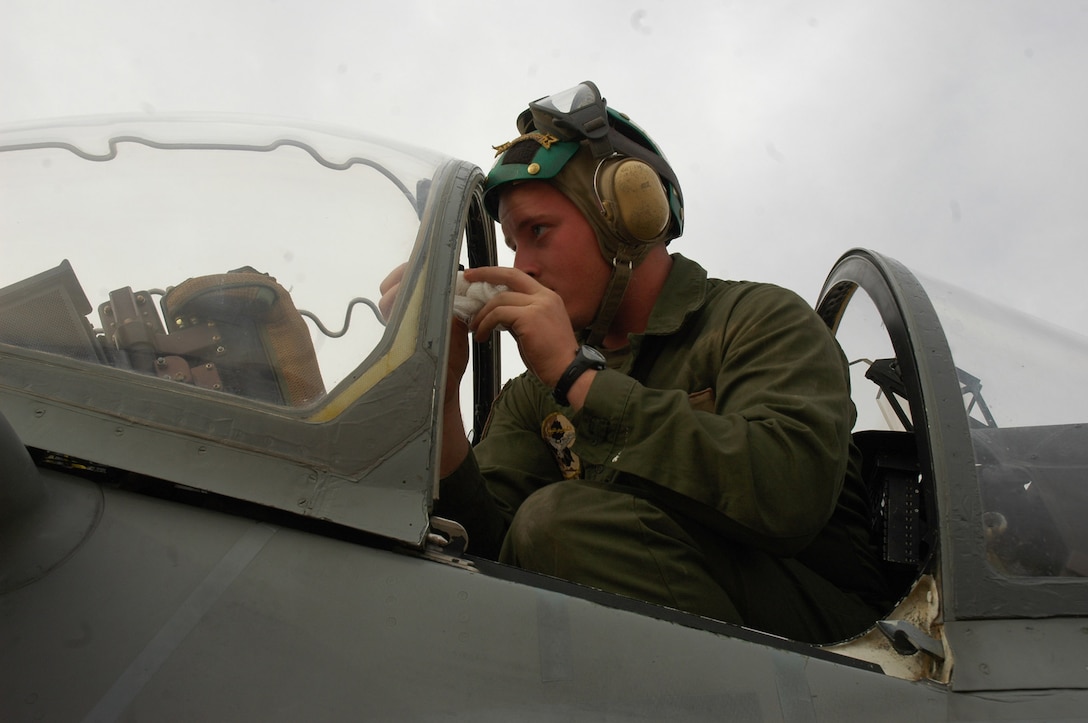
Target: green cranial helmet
{"type": "Point", "coordinates": [608, 167]}
{"type": "Point", "coordinates": [530, 157]}
{"type": "Point", "coordinates": [577, 124]}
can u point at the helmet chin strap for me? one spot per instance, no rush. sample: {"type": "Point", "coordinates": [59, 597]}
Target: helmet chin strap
{"type": "Point", "coordinates": [610, 304]}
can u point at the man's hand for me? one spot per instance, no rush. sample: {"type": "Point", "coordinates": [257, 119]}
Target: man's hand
{"type": "Point", "coordinates": [455, 447]}
{"type": "Point", "coordinates": [389, 287]}
{"type": "Point", "coordinates": [535, 316]}
{"type": "Point", "coordinates": [458, 360]}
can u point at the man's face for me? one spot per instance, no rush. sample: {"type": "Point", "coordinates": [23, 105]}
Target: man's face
{"type": "Point", "coordinates": [554, 244]}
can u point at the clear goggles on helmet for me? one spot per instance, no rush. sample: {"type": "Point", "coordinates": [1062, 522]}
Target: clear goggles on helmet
{"type": "Point", "coordinates": [571, 115]}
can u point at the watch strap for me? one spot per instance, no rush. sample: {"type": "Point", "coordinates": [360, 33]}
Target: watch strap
{"type": "Point", "coordinates": [583, 361]}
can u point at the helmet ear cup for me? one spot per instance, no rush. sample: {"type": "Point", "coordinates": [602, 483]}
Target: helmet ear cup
{"type": "Point", "coordinates": [633, 199]}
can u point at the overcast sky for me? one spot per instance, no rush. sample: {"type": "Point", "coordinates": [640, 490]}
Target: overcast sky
{"type": "Point", "coordinates": [950, 135]}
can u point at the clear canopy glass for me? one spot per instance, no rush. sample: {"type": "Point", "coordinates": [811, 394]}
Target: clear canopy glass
{"type": "Point", "coordinates": [148, 204]}
{"type": "Point", "coordinates": [1026, 407]}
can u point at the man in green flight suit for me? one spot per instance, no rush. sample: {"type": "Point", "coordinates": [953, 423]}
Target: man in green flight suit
{"type": "Point", "coordinates": [676, 439]}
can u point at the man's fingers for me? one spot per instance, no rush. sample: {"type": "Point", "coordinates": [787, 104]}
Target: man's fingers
{"type": "Point", "coordinates": [511, 278]}
{"type": "Point", "coordinates": [503, 311]}
{"type": "Point", "coordinates": [394, 278]}
{"type": "Point", "coordinates": [389, 298]}
{"type": "Point", "coordinates": [488, 319]}
{"type": "Point", "coordinates": [389, 287]}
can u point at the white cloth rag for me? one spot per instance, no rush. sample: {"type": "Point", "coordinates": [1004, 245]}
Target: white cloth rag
{"type": "Point", "coordinates": [471, 297]}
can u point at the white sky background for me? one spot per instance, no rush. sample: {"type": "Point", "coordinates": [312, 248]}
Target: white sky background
{"type": "Point", "coordinates": [950, 135]}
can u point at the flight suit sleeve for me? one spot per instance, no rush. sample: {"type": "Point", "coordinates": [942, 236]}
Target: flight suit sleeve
{"type": "Point", "coordinates": [766, 466]}
{"type": "Point", "coordinates": [510, 463]}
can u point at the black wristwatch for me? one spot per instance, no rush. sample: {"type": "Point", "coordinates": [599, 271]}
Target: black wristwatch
{"type": "Point", "coordinates": [585, 359]}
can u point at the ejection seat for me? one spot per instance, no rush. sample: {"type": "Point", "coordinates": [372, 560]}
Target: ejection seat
{"type": "Point", "coordinates": [899, 527]}
{"type": "Point", "coordinates": [237, 332]}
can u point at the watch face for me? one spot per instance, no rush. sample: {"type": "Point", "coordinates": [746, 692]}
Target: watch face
{"type": "Point", "coordinates": [593, 354]}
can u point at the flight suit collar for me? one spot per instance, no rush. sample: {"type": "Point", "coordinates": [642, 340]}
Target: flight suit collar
{"type": "Point", "coordinates": [683, 293]}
